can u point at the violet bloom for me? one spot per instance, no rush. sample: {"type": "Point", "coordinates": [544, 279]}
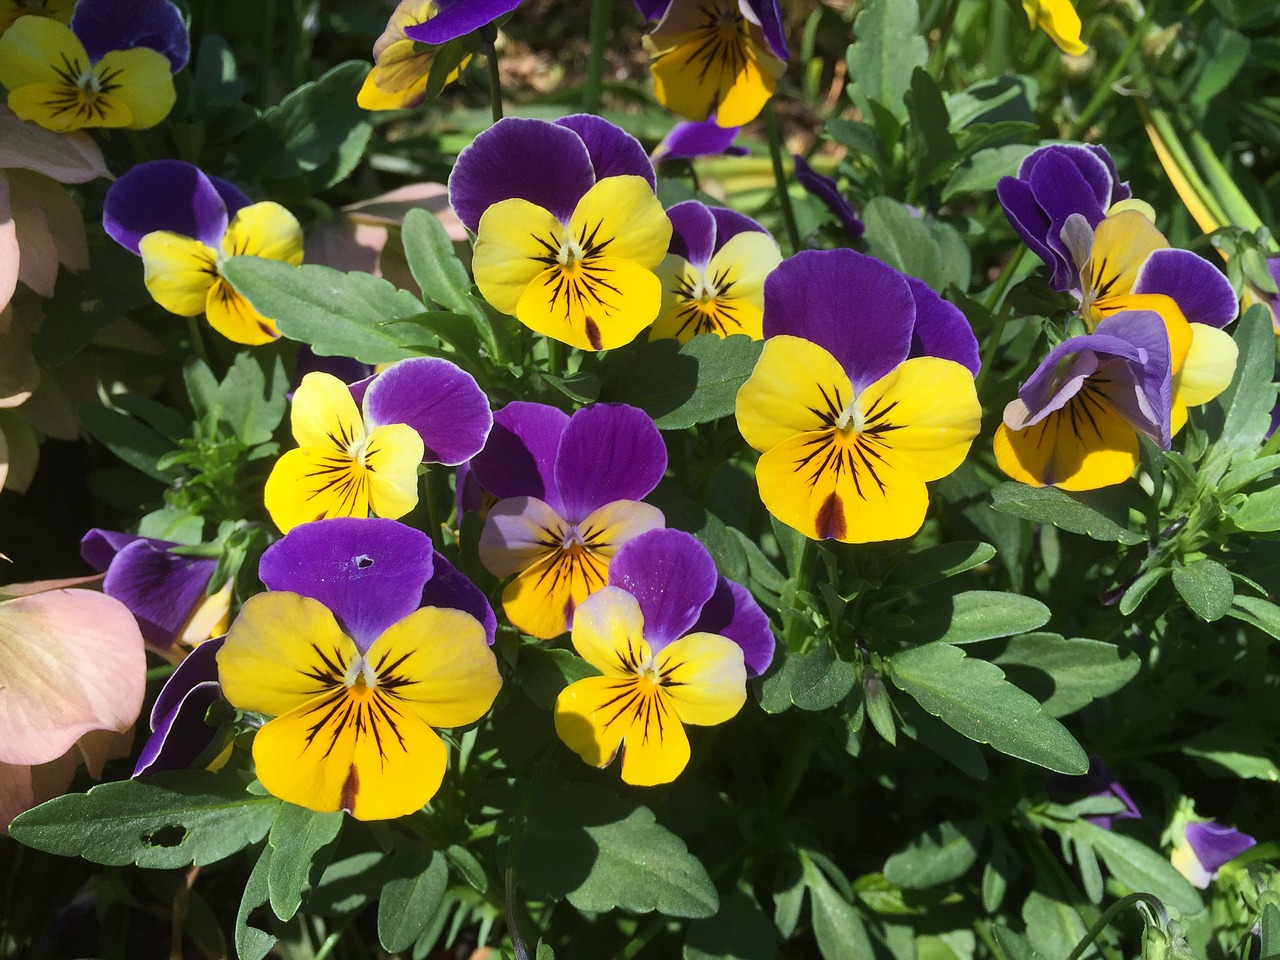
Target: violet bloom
{"type": "Point", "coordinates": [1076, 421]}
{"type": "Point", "coordinates": [713, 275]}
{"type": "Point", "coordinates": [1099, 783]}
{"type": "Point", "coordinates": [166, 591]}
{"type": "Point", "coordinates": [826, 190]}
{"type": "Point", "coordinates": [1053, 183]}
{"type": "Point", "coordinates": [688, 140]}
{"type": "Point", "coordinates": [106, 25]}
{"type": "Point", "coordinates": [368, 573]}
{"type": "Point", "coordinates": [1203, 849]}
{"type": "Point", "coordinates": [457, 18]}
{"type": "Point", "coordinates": [568, 492]}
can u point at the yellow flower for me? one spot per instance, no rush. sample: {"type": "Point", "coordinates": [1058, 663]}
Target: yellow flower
{"type": "Point", "coordinates": [1057, 18]}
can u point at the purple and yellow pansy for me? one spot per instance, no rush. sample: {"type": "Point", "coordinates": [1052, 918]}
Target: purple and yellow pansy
{"type": "Point", "coordinates": [184, 224]}
{"type": "Point", "coordinates": [359, 446]}
{"type": "Point", "coordinates": [401, 65]}
{"type": "Point", "coordinates": [863, 393]}
{"type": "Point", "coordinates": [713, 275]}
{"type": "Point", "coordinates": [569, 491]}
{"type": "Point", "coordinates": [674, 643]}
{"type": "Point", "coordinates": [111, 66]}
{"type": "Point", "coordinates": [568, 228]}
{"type": "Point", "coordinates": [356, 673]}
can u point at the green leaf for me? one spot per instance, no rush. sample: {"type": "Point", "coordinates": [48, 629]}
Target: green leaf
{"type": "Point", "coordinates": [975, 615]}
{"type": "Point", "coordinates": [973, 697]}
{"type": "Point", "coordinates": [930, 732]}
{"type": "Point", "coordinates": [1140, 868]}
{"type": "Point", "coordinates": [544, 671]}
{"type": "Point", "coordinates": [468, 867]}
{"type": "Point", "coordinates": [1137, 591]}
{"type": "Point", "coordinates": [1257, 612]}
{"type": "Point", "coordinates": [822, 680]}
{"type": "Point", "coordinates": [544, 952]}
{"type": "Point", "coordinates": [603, 852]}
{"type": "Point", "coordinates": [580, 387]}
{"type": "Point", "coordinates": [162, 822]}
{"type": "Point", "coordinates": [939, 563]}
{"type": "Point", "coordinates": [246, 401]}
{"type": "Point", "coordinates": [129, 439]}
{"type": "Point", "coordinates": [1051, 505]}
{"type": "Point", "coordinates": [434, 264]}
{"type": "Point", "coordinates": [982, 171]}
{"type": "Point", "coordinates": [774, 686]}
{"type": "Point", "coordinates": [1260, 512]}
{"type": "Point", "coordinates": [1232, 751]}
{"type": "Point", "coordinates": [1206, 587]}
{"type": "Point", "coordinates": [1246, 404]}
{"type": "Point", "coordinates": [338, 314]}
{"type": "Point", "coordinates": [740, 930]}
{"type": "Point", "coordinates": [886, 50]}
{"type": "Point", "coordinates": [941, 854]}
{"type": "Point", "coordinates": [1269, 923]}
{"type": "Point", "coordinates": [935, 148]}
{"type": "Point", "coordinates": [297, 836]}
{"type": "Point", "coordinates": [901, 240]}
{"type": "Point", "coordinates": [252, 943]}
{"type": "Point", "coordinates": [1066, 674]}
{"type": "Point", "coordinates": [1223, 52]}
{"type": "Point", "coordinates": [680, 386]}
{"type": "Point", "coordinates": [410, 899]}
{"type": "Point", "coordinates": [836, 924]}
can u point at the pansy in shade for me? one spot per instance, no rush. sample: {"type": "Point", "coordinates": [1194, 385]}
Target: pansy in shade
{"type": "Point", "coordinates": [353, 460]}
{"type": "Point", "coordinates": [827, 190]}
{"type": "Point", "coordinates": [713, 275]}
{"type": "Point", "coordinates": [457, 18]}
{"type": "Point", "coordinates": [716, 57]}
{"type": "Point", "coordinates": [184, 224]}
{"type": "Point", "coordinates": [568, 492]}
{"type": "Point", "coordinates": [864, 392]}
{"type": "Point", "coordinates": [11, 10]}
{"type": "Point", "coordinates": [1076, 421]}
{"type": "Point", "coordinates": [688, 140]}
{"type": "Point", "coordinates": [667, 655]}
{"type": "Point", "coordinates": [179, 732]}
{"type": "Point", "coordinates": [168, 592]}
{"type": "Point", "coordinates": [356, 673]}
{"type": "Point", "coordinates": [1058, 19]}
{"type": "Point", "coordinates": [401, 67]}
{"type": "Point", "coordinates": [110, 68]}
{"type": "Point", "coordinates": [1204, 847]}
{"type": "Point", "coordinates": [568, 229]}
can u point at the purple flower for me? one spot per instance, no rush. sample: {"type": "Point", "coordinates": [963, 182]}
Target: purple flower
{"type": "Point", "coordinates": [689, 139]}
{"type": "Point", "coordinates": [1203, 849]}
{"type": "Point", "coordinates": [825, 189]}
{"type": "Point", "coordinates": [1098, 783]}
{"type": "Point", "coordinates": [457, 18]}
{"type": "Point", "coordinates": [568, 492]}
{"type": "Point", "coordinates": [1053, 183]}
{"type": "Point", "coordinates": [179, 734]}
{"type": "Point", "coordinates": [164, 590]}
{"type": "Point", "coordinates": [169, 195]}
{"type": "Point", "coordinates": [107, 25]}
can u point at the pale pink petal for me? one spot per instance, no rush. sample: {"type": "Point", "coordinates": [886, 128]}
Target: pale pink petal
{"type": "Point", "coordinates": [37, 252]}
{"type": "Point", "coordinates": [62, 217]}
{"type": "Point", "coordinates": [19, 372]}
{"type": "Point", "coordinates": [4, 460]}
{"type": "Point", "coordinates": [11, 590]}
{"type": "Point", "coordinates": [15, 793]}
{"type": "Point", "coordinates": [71, 661]}
{"type": "Point", "coordinates": [67, 157]}
{"type": "Point", "coordinates": [20, 454]}
{"type": "Point", "coordinates": [96, 747]}
{"type": "Point", "coordinates": [8, 248]}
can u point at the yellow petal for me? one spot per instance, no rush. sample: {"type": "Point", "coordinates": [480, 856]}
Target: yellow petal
{"type": "Point", "coordinates": [608, 633]}
{"type": "Point", "coordinates": [621, 217]}
{"type": "Point", "coordinates": [608, 528]}
{"type": "Point", "coordinates": [796, 387]}
{"type": "Point", "coordinates": [516, 241]}
{"type": "Point", "coordinates": [436, 664]}
{"type": "Point", "coordinates": [1209, 367]}
{"type": "Point", "coordinates": [727, 299]}
{"type": "Point", "coordinates": [264, 230]}
{"type": "Point", "coordinates": [1121, 245]}
{"type": "Point", "coordinates": [235, 318]}
{"type": "Point", "coordinates": [398, 80]}
{"type": "Point", "coordinates": [325, 415]}
{"type": "Point", "coordinates": [391, 458]}
{"type": "Point", "coordinates": [1084, 446]}
{"type": "Point", "coordinates": [141, 79]}
{"type": "Point", "coordinates": [705, 678]}
{"type": "Point", "coordinates": [518, 532]}
{"type": "Point", "coordinates": [1059, 20]}
{"type": "Point", "coordinates": [582, 712]}
{"type": "Point", "coordinates": [62, 107]}
{"type": "Point", "coordinates": [541, 600]}
{"type": "Point", "coordinates": [655, 749]}
{"type": "Point", "coordinates": [315, 483]}
{"type": "Point", "coordinates": [178, 271]}
{"type": "Point", "coordinates": [282, 651]}
{"type": "Point", "coordinates": [596, 304]}
{"type": "Point", "coordinates": [40, 50]}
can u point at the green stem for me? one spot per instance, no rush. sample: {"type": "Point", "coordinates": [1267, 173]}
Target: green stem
{"type": "Point", "coordinates": [555, 358]}
{"type": "Point", "coordinates": [495, 84]}
{"type": "Point", "coordinates": [433, 508]}
{"type": "Point", "coordinates": [197, 340]}
{"type": "Point", "coordinates": [593, 88]}
{"type": "Point", "coordinates": [938, 59]}
{"type": "Point", "coordinates": [994, 299]}
{"type": "Point", "coordinates": [1124, 903]}
{"type": "Point", "coordinates": [801, 580]}
{"type": "Point", "coordinates": [780, 176]}
{"type": "Point", "coordinates": [1106, 88]}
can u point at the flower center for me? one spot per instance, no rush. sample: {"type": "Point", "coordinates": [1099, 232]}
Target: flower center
{"type": "Point", "coordinates": [850, 419]}
{"type": "Point", "coordinates": [570, 254]}
{"type": "Point", "coordinates": [648, 676]}
{"type": "Point", "coordinates": [360, 678]}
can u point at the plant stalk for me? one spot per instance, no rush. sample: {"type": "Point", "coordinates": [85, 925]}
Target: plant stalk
{"type": "Point", "coordinates": [593, 88]}
{"type": "Point", "coordinates": [780, 176]}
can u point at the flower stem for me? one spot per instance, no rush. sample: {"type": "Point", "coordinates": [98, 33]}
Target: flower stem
{"type": "Point", "coordinates": [434, 528]}
{"type": "Point", "coordinates": [994, 299]}
{"type": "Point", "coordinates": [495, 78]}
{"type": "Point", "coordinates": [1106, 88]}
{"type": "Point", "coordinates": [938, 59]}
{"type": "Point", "coordinates": [1113, 911]}
{"type": "Point", "coordinates": [780, 176]}
{"type": "Point", "coordinates": [601, 15]}
{"type": "Point", "coordinates": [197, 340]}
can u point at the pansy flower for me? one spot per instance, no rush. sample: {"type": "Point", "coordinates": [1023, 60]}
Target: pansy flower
{"type": "Point", "coordinates": [11, 10]}
{"type": "Point", "coordinates": [827, 190]}
{"type": "Point", "coordinates": [1076, 421]}
{"type": "Point", "coordinates": [721, 57]}
{"type": "Point", "coordinates": [1058, 19]}
{"type": "Point", "coordinates": [688, 140]}
{"type": "Point", "coordinates": [568, 229]}
{"type": "Point", "coordinates": [713, 276]}
{"type": "Point", "coordinates": [568, 492]}
{"type": "Point", "coordinates": [863, 392]}
{"type": "Point", "coordinates": [355, 672]}
{"type": "Point", "coordinates": [353, 460]}
{"type": "Point", "coordinates": [110, 68]}
{"type": "Point", "coordinates": [184, 224]}
{"type": "Point", "coordinates": [167, 591]}
{"type": "Point", "coordinates": [401, 67]}
{"type": "Point", "coordinates": [667, 655]}
{"type": "Point", "coordinates": [457, 18]}
{"type": "Point", "coordinates": [1202, 847]}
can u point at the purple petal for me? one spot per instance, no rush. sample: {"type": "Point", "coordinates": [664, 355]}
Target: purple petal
{"type": "Point", "coordinates": [825, 189]}
{"type": "Point", "coordinates": [608, 452]}
{"type": "Point", "coordinates": [730, 223]}
{"type": "Point", "coordinates": [541, 162]}
{"type": "Point", "coordinates": [1119, 190]}
{"type": "Point", "coordinates": [442, 402]}
{"type": "Point", "coordinates": [1213, 844]}
{"type": "Point", "coordinates": [732, 612]}
{"type": "Point", "coordinates": [450, 587]}
{"type": "Point", "coordinates": [858, 309]}
{"type": "Point", "coordinates": [457, 18]}
{"type": "Point", "coordinates": [613, 151]}
{"type": "Point", "coordinates": [691, 139]}
{"type": "Point", "coordinates": [164, 195]}
{"type": "Point", "coordinates": [181, 735]}
{"type": "Point", "coordinates": [231, 195]}
{"type": "Point", "coordinates": [107, 25]}
{"type": "Point", "coordinates": [468, 495]}
{"type": "Point", "coordinates": [161, 589]}
{"type": "Point", "coordinates": [369, 573]}
{"type": "Point", "coordinates": [518, 460]}
{"type": "Point", "coordinates": [652, 9]}
{"type": "Point", "coordinates": [673, 577]}
{"type": "Point", "coordinates": [1029, 221]}
{"type": "Point", "coordinates": [197, 667]}
{"type": "Point", "coordinates": [1061, 187]}
{"type": "Point", "coordinates": [99, 547]}
{"type": "Point", "coordinates": [693, 232]}
{"type": "Point", "coordinates": [767, 14]}
{"type": "Point", "coordinates": [941, 330]}
{"type": "Point", "coordinates": [1198, 287]}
